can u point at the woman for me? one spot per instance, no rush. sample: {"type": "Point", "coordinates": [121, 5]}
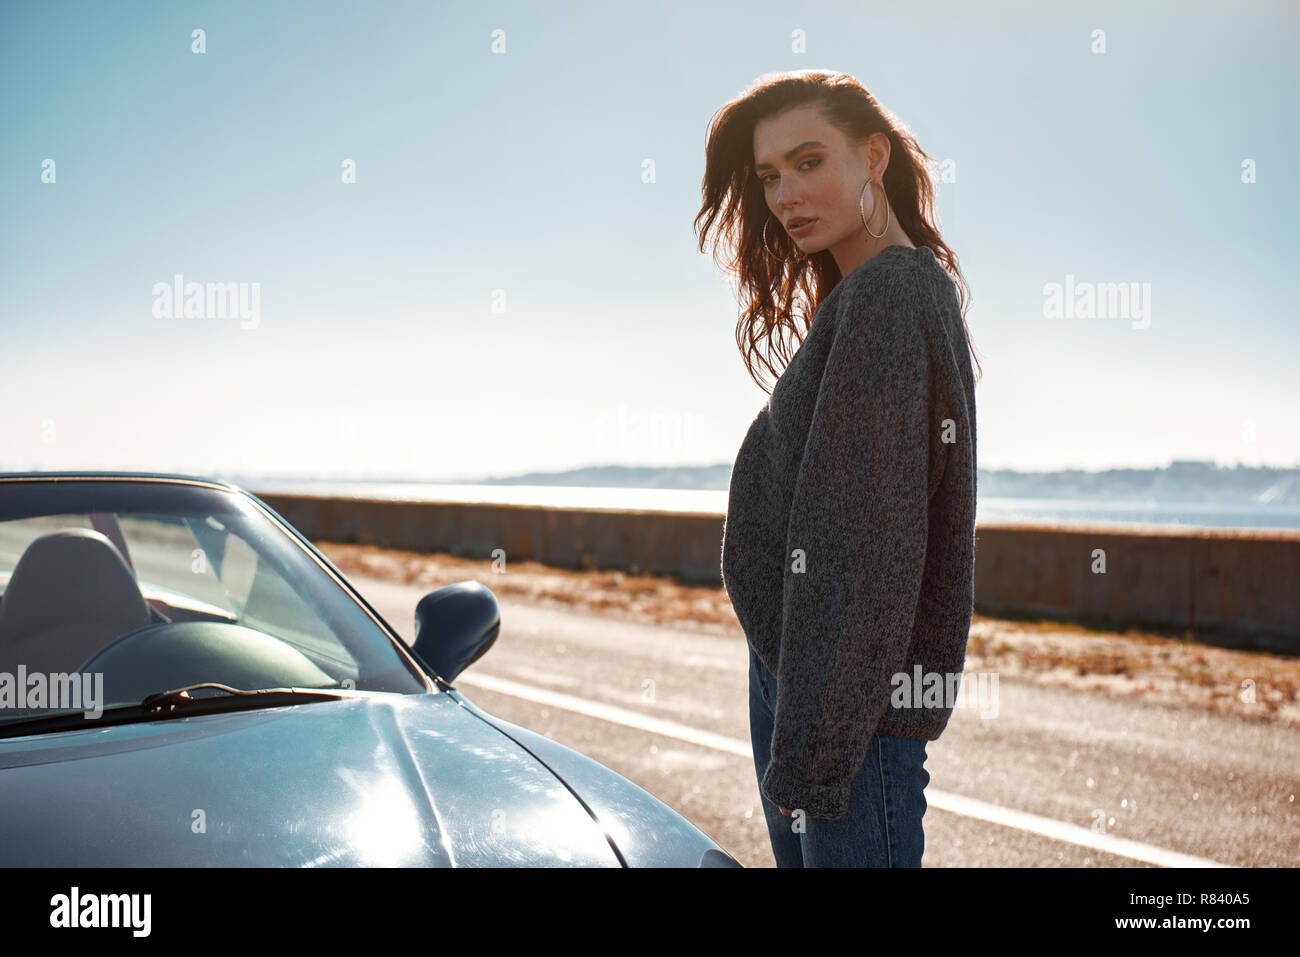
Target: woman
{"type": "Point", "coordinates": [848, 547]}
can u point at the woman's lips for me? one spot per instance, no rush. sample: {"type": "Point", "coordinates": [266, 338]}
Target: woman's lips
{"type": "Point", "coordinates": [801, 229]}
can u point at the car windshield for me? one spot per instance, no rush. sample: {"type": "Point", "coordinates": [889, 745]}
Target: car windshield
{"type": "Point", "coordinates": [111, 591]}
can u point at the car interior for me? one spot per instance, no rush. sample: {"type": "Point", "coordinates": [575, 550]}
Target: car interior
{"type": "Point", "coordinates": [74, 602]}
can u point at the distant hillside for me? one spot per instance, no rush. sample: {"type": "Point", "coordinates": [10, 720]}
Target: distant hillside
{"type": "Point", "coordinates": [693, 477]}
{"type": "Point", "coordinates": [1186, 481]}
{"type": "Point", "coordinates": [1180, 482]}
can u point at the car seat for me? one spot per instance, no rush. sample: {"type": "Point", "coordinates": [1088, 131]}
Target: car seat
{"type": "Point", "coordinates": [70, 594]}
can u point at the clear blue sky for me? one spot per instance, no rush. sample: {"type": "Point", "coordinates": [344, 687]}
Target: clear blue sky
{"type": "Point", "coordinates": [516, 178]}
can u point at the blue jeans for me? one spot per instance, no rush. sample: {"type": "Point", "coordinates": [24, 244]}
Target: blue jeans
{"type": "Point", "coordinates": [882, 827]}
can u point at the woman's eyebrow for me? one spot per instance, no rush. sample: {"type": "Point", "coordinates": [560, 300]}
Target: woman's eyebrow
{"type": "Point", "coordinates": [790, 154]}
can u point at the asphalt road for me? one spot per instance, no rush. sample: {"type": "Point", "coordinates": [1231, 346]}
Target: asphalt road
{"type": "Point", "coordinates": [1056, 778]}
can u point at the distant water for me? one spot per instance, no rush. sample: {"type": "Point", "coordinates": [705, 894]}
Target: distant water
{"type": "Point", "coordinates": [1198, 515]}
{"type": "Point", "coordinates": [556, 496]}
{"type": "Point", "coordinates": [1182, 514]}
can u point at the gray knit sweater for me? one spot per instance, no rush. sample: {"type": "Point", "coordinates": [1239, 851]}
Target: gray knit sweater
{"type": "Point", "coordinates": [849, 543]}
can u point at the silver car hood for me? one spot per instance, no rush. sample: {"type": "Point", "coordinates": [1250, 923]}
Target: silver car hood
{"type": "Point", "coordinates": [383, 780]}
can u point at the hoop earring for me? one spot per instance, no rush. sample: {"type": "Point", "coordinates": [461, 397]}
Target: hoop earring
{"type": "Point", "coordinates": [863, 212]}
{"type": "Point", "coordinates": [769, 251]}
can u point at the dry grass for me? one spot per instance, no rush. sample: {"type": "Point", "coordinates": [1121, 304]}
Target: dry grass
{"type": "Point", "coordinates": [1159, 669]}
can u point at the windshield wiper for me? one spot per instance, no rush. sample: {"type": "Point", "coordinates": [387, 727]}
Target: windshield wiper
{"type": "Point", "coordinates": [174, 703]}
{"type": "Point", "coordinates": [181, 697]}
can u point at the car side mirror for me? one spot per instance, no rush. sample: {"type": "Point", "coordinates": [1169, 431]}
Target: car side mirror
{"type": "Point", "coordinates": [455, 626]}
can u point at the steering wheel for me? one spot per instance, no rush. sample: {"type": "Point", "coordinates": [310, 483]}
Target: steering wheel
{"type": "Point", "coordinates": [173, 654]}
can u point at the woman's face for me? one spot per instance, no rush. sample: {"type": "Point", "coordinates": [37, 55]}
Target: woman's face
{"type": "Point", "coordinates": [809, 170]}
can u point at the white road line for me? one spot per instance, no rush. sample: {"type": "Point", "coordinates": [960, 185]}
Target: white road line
{"type": "Point", "coordinates": [943, 800]}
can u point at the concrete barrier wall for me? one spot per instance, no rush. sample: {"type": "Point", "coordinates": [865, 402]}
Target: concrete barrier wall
{"type": "Point", "coordinates": [683, 544]}
{"type": "Point", "coordinates": [1238, 588]}
{"type": "Point", "coordinates": [1235, 588]}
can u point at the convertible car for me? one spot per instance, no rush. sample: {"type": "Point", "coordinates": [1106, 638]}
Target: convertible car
{"type": "Point", "coordinates": [186, 681]}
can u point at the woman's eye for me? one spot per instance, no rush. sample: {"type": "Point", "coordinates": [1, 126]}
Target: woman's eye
{"type": "Point", "coordinates": [767, 180]}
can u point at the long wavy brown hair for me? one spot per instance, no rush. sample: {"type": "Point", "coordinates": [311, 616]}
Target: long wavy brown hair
{"type": "Point", "coordinates": [734, 211]}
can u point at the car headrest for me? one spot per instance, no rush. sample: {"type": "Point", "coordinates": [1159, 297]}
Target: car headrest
{"type": "Point", "coordinates": [70, 594]}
